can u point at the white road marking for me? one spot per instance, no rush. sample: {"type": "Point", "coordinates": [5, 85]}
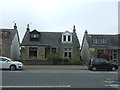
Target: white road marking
{"type": "Point", "coordinates": [44, 86]}
{"type": "Point", "coordinates": [113, 85]}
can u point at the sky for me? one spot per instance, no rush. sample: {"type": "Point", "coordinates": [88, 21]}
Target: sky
{"type": "Point", "coordinates": [95, 16]}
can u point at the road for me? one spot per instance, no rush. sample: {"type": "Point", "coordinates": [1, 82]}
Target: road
{"type": "Point", "coordinates": [59, 78]}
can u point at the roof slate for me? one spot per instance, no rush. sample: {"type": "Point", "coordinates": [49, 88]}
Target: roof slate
{"type": "Point", "coordinates": [49, 39]}
{"type": "Point", "coordinates": [12, 34]}
{"type": "Point", "coordinates": [113, 40]}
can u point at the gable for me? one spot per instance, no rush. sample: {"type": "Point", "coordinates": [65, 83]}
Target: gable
{"type": "Point", "coordinates": [66, 33]}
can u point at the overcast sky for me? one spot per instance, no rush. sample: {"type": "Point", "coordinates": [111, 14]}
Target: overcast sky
{"type": "Point", "coordinates": [97, 16]}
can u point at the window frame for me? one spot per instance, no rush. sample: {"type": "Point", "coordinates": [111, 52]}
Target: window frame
{"type": "Point", "coordinates": [66, 37]}
{"type": "Point", "coordinates": [33, 50]}
{"type": "Point", "coordinates": [68, 52]}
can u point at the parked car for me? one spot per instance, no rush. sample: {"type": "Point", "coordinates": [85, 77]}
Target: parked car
{"type": "Point", "coordinates": [7, 63]}
{"type": "Point", "coordinates": [101, 64]}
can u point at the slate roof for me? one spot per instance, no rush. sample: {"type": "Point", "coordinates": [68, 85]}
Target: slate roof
{"type": "Point", "coordinates": [113, 40]}
{"type": "Point", "coordinates": [49, 39]}
{"type": "Point", "coordinates": [11, 36]}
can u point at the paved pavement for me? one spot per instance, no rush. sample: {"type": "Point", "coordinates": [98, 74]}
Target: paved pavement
{"type": "Point", "coordinates": [56, 67]}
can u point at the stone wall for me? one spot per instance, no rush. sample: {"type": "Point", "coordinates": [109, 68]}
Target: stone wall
{"type": "Point", "coordinates": [93, 54]}
{"type": "Point", "coordinates": [6, 50]}
{"type": "Point", "coordinates": [41, 52]}
{"type": "Point", "coordinates": [24, 52]}
{"type": "Point", "coordinates": [76, 53]}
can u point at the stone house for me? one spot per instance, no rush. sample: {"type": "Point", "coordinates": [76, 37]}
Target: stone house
{"type": "Point", "coordinates": [40, 44]}
{"type": "Point", "coordinates": [9, 43]}
{"type": "Point", "coordinates": [94, 45]}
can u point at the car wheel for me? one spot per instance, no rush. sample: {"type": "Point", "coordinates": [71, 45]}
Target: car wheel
{"type": "Point", "coordinates": [113, 69]}
{"type": "Point", "coordinates": [12, 67]}
{"type": "Point", "coordinates": [94, 69]}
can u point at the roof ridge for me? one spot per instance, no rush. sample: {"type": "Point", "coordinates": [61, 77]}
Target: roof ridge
{"type": "Point", "coordinates": [104, 34]}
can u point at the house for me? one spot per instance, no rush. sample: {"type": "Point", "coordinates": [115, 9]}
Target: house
{"type": "Point", "coordinates": [41, 44]}
{"type": "Point", "coordinates": [9, 43]}
{"type": "Point", "coordinates": [95, 45]}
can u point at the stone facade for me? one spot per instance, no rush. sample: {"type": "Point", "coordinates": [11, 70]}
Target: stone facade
{"type": "Point", "coordinates": [41, 44]}
{"type": "Point", "coordinates": [9, 43]}
{"type": "Point", "coordinates": [100, 46]}
{"type": "Point", "coordinates": [6, 49]}
{"type": "Point", "coordinates": [43, 53]}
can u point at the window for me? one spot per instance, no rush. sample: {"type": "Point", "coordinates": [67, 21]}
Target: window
{"type": "Point", "coordinates": [33, 52]}
{"type": "Point", "coordinates": [99, 53]}
{"type": "Point", "coordinates": [103, 41]}
{"type": "Point", "coordinates": [64, 38]}
{"type": "Point", "coordinates": [96, 61]}
{"type": "Point", "coordinates": [99, 40]}
{"type": "Point", "coordinates": [4, 35]}
{"type": "Point", "coordinates": [95, 40]}
{"type": "Point", "coordinates": [69, 38]}
{"type": "Point", "coordinates": [113, 55]}
{"type": "Point", "coordinates": [103, 61]}
{"type": "Point", "coordinates": [34, 37]}
{"type": "Point", "coordinates": [68, 52]}
{"type": "Point", "coordinates": [54, 50]}
{"type": "Point", "coordinates": [3, 59]}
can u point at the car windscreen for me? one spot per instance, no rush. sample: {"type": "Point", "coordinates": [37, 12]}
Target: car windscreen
{"type": "Point", "coordinates": [104, 61]}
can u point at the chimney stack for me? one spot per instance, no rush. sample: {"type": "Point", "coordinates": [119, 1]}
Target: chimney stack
{"type": "Point", "coordinates": [74, 30]}
{"type": "Point", "coordinates": [28, 29]}
{"type": "Point", "coordinates": [15, 26]}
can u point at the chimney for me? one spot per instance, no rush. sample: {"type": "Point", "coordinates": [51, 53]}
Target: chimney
{"type": "Point", "coordinates": [74, 30]}
{"type": "Point", "coordinates": [28, 29]}
{"type": "Point", "coordinates": [15, 26]}
{"type": "Point", "coordinates": [86, 32]}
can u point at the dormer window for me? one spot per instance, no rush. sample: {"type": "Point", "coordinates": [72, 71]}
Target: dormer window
{"type": "Point", "coordinates": [99, 40]}
{"type": "Point", "coordinates": [34, 35]}
{"type": "Point", "coordinates": [64, 37]}
{"type": "Point", "coordinates": [67, 37]}
{"type": "Point", "coordinates": [4, 35]}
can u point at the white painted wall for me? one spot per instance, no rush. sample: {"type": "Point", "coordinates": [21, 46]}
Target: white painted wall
{"type": "Point", "coordinates": [85, 51]}
{"type": "Point", "coordinates": [15, 48]}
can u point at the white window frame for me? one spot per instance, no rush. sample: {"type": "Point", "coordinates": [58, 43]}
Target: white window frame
{"type": "Point", "coordinates": [68, 51]}
{"type": "Point", "coordinates": [67, 34]}
{"type": "Point", "coordinates": [95, 40]}
{"type": "Point", "coordinates": [112, 52]}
